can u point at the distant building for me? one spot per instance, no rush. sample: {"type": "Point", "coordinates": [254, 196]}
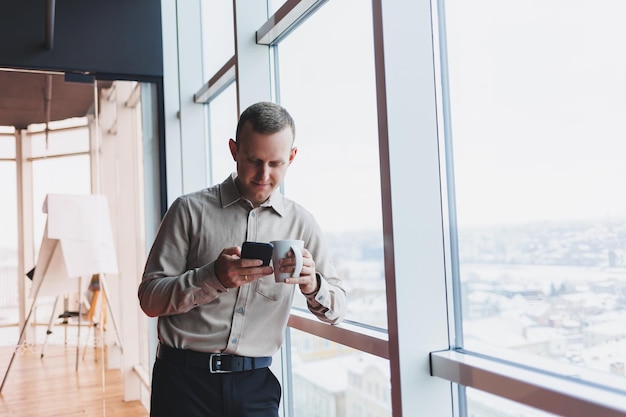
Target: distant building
{"type": "Point", "coordinates": [369, 389]}
{"type": "Point", "coordinates": [602, 333]}
{"type": "Point", "coordinates": [347, 386]}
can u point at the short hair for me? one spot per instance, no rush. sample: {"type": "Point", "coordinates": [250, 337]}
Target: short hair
{"type": "Point", "coordinates": [266, 117]}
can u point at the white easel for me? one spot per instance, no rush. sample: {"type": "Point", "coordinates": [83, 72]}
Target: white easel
{"type": "Point", "coordinates": [77, 243]}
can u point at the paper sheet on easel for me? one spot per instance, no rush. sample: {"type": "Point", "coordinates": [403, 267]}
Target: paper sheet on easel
{"type": "Point", "coordinates": [77, 242]}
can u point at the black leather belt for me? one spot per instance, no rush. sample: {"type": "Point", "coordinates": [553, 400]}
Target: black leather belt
{"type": "Point", "coordinates": [214, 363]}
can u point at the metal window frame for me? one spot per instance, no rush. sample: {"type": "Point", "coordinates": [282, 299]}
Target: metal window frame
{"type": "Point", "coordinates": [289, 16]}
{"type": "Point", "coordinates": [224, 77]}
{"type": "Point", "coordinates": [558, 394]}
{"type": "Point", "coordinates": [353, 335]}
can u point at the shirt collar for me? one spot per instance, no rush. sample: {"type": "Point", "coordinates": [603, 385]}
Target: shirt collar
{"type": "Point", "coordinates": [230, 195]}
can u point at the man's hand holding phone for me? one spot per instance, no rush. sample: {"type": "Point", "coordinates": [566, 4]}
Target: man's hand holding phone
{"type": "Point", "coordinates": [257, 250]}
{"type": "Point", "coordinates": [236, 266]}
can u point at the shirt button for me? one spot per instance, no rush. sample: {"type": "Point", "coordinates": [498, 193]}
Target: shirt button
{"type": "Point", "coordinates": [233, 340]}
{"type": "Point", "coordinates": [240, 310]}
{"type": "Point", "coordinates": [252, 214]}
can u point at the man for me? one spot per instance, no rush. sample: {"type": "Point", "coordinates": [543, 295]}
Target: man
{"type": "Point", "coordinates": [221, 317]}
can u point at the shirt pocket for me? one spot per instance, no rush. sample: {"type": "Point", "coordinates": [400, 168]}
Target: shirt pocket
{"type": "Point", "coordinates": [268, 288]}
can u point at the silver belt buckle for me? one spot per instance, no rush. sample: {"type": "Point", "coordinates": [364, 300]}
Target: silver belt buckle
{"type": "Point", "coordinates": [218, 363]}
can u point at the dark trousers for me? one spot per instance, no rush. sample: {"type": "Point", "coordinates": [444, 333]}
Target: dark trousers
{"type": "Point", "coordinates": [185, 391]}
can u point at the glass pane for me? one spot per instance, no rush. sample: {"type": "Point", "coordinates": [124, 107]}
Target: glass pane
{"type": "Point", "coordinates": [537, 104]}
{"type": "Point", "coordinates": [8, 245]}
{"type": "Point", "coordinates": [7, 145]}
{"type": "Point", "coordinates": [69, 140]}
{"type": "Point", "coordinates": [151, 198]}
{"type": "Point", "coordinates": [222, 125]}
{"type": "Point", "coordinates": [332, 380]}
{"type": "Point", "coordinates": [331, 95]}
{"type": "Point", "coordinates": [218, 35]}
{"type": "Point", "coordinates": [275, 5]}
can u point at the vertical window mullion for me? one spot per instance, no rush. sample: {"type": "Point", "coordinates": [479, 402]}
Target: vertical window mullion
{"type": "Point", "coordinates": [412, 204]}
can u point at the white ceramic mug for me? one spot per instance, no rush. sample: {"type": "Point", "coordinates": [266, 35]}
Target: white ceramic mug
{"type": "Point", "coordinates": [281, 249]}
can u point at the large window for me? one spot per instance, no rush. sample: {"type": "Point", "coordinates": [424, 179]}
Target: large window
{"type": "Point", "coordinates": [537, 103]}
{"type": "Point", "coordinates": [222, 123]}
{"type": "Point", "coordinates": [331, 380]}
{"type": "Point", "coordinates": [218, 35]}
{"type": "Point", "coordinates": [327, 83]}
{"type": "Point", "coordinates": [332, 97]}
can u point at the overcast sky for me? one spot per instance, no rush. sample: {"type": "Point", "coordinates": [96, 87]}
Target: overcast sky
{"type": "Point", "coordinates": [538, 110]}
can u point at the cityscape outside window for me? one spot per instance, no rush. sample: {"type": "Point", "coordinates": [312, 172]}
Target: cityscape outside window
{"type": "Point", "coordinates": [537, 136]}
{"type": "Point", "coordinates": [332, 380]}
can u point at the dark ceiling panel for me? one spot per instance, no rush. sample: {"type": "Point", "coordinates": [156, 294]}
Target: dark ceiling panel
{"type": "Point", "coordinates": [113, 37]}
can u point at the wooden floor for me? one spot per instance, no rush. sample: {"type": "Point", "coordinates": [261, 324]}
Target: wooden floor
{"type": "Point", "coordinates": [51, 386]}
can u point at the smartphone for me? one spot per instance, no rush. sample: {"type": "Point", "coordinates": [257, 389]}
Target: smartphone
{"type": "Point", "coordinates": [257, 250]}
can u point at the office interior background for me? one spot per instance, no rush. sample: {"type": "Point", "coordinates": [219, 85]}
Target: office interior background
{"type": "Point", "coordinates": [463, 159]}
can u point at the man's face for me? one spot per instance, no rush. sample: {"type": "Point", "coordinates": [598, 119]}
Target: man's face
{"type": "Point", "coordinates": [262, 161]}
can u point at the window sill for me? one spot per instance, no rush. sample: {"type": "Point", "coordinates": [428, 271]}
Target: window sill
{"type": "Point", "coordinates": [361, 338]}
{"type": "Point", "coordinates": [562, 395]}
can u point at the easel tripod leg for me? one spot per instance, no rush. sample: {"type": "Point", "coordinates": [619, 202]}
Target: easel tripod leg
{"type": "Point", "coordinates": [105, 290]}
{"type": "Point", "coordinates": [49, 329]}
{"type": "Point", "coordinates": [21, 338]}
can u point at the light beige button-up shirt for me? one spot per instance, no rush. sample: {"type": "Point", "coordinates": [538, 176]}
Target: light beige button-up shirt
{"type": "Point", "coordinates": [195, 311]}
